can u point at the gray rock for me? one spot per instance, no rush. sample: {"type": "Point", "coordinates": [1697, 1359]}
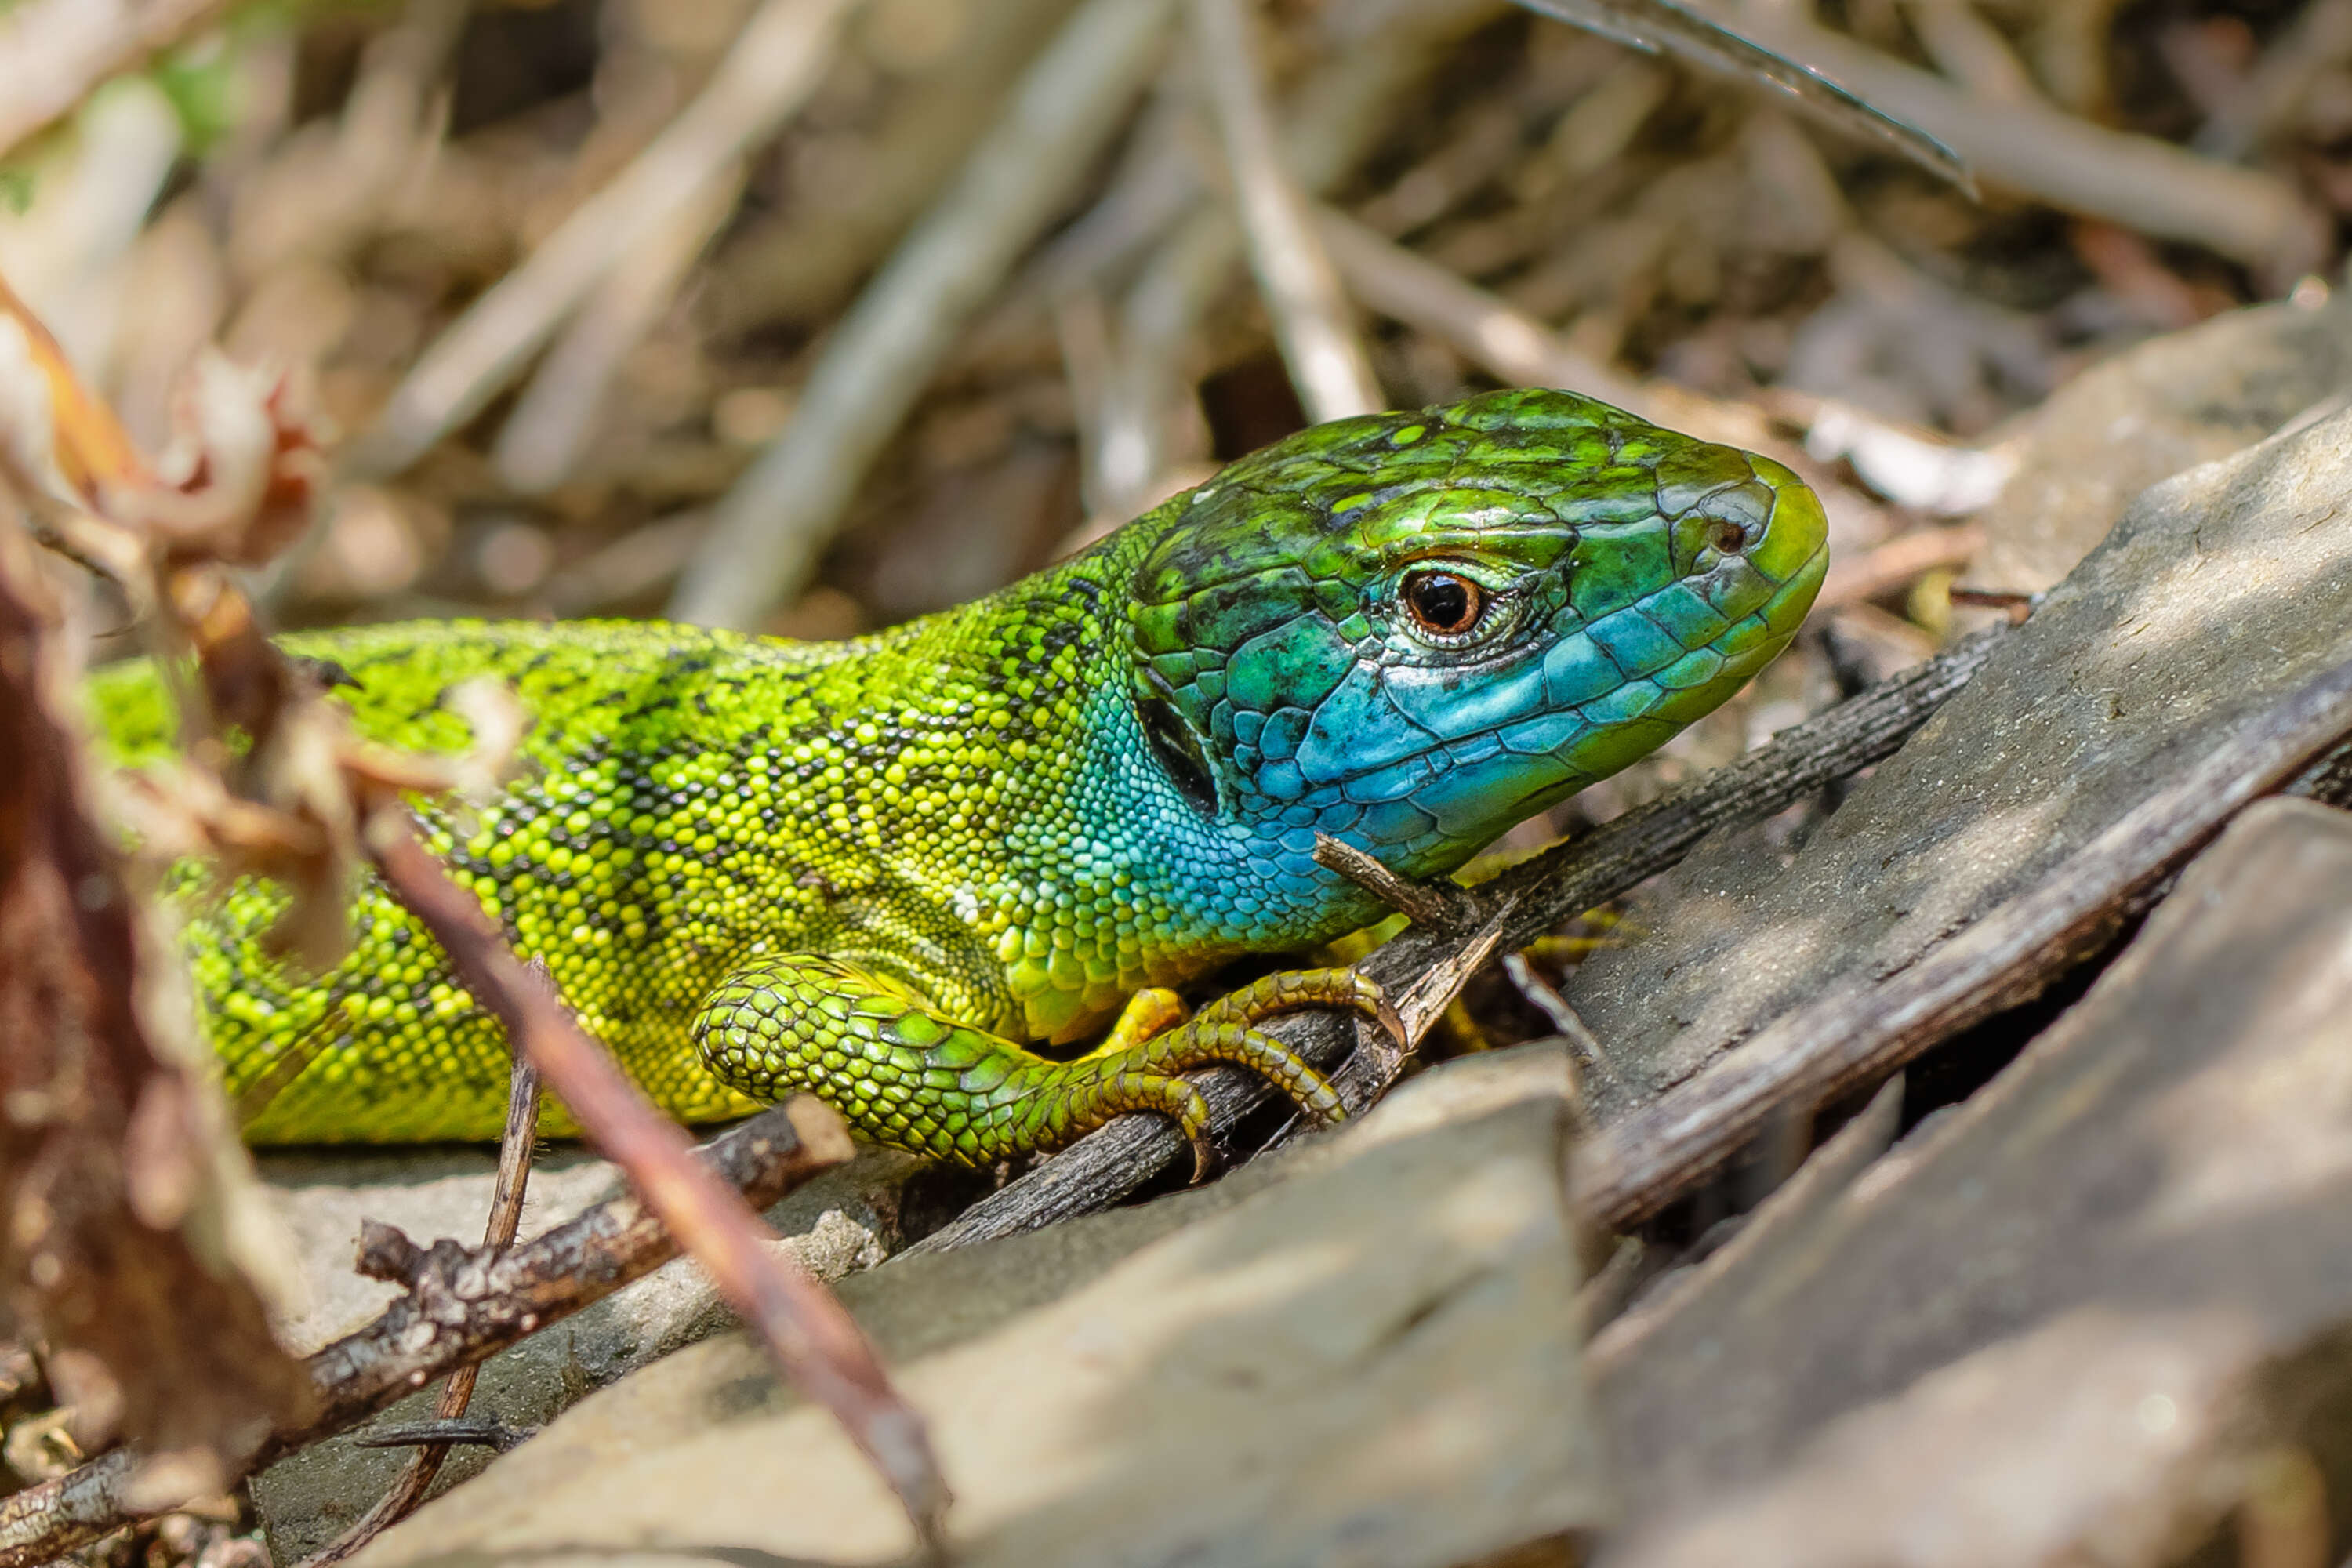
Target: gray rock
{"type": "Point", "coordinates": [2221, 591]}
{"type": "Point", "coordinates": [844, 1220]}
{"type": "Point", "coordinates": [1363, 1354]}
{"type": "Point", "coordinates": [2165, 405]}
{"type": "Point", "coordinates": [2073, 1319]}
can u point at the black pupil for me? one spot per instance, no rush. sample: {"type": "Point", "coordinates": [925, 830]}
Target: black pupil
{"type": "Point", "coordinates": [1442, 602]}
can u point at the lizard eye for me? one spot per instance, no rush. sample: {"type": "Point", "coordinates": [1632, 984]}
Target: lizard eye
{"type": "Point", "coordinates": [1443, 603]}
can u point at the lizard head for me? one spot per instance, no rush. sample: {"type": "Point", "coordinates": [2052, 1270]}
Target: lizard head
{"type": "Point", "coordinates": [1414, 630]}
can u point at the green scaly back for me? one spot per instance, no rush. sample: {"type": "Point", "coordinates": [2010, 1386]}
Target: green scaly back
{"type": "Point", "coordinates": [875, 869]}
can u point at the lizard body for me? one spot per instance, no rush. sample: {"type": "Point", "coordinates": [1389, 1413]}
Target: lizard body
{"type": "Point", "coordinates": [876, 868]}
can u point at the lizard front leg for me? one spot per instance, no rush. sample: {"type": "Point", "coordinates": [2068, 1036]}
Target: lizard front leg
{"type": "Point", "coordinates": [904, 1074]}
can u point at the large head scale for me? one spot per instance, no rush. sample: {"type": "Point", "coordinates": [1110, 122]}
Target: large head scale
{"type": "Point", "coordinates": [1411, 631]}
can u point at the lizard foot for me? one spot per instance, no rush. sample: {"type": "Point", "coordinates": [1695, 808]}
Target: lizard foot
{"type": "Point", "coordinates": [903, 1073]}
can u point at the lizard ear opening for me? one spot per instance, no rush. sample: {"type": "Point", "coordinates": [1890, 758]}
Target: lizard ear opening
{"type": "Point", "coordinates": [1177, 751]}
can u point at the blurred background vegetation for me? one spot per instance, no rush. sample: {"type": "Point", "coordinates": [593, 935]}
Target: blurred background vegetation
{"type": "Point", "coordinates": [562, 271]}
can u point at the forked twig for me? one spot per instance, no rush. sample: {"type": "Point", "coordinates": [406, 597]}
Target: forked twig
{"type": "Point", "coordinates": [497, 1234]}
{"type": "Point", "coordinates": [1437, 904]}
{"type": "Point", "coordinates": [460, 1309]}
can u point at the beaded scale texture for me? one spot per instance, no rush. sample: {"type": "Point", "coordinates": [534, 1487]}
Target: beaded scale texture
{"type": "Point", "coordinates": [871, 869]}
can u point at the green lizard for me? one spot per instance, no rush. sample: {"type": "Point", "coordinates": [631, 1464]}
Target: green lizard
{"type": "Point", "coordinates": [874, 870]}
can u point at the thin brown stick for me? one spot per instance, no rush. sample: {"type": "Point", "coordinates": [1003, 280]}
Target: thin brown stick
{"type": "Point", "coordinates": [1863, 1031]}
{"type": "Point", "coordinates": [1400, 282]}
{"type": "Point", "coordinates": [1424, 903]}
{"type": "Point", "coordinates": [497, 1234]}
{"type": "Point", "coordinates": [1311, 319]}
{"type": "Point", "coordinates": [460, 1310]}
{"type": "Point", "coordinates": [1896, 563]}
{"type": "Point", "coordinates": [773, 65]}
{"type": "Point", "coordinates": [817, 1344]}
{"type": "Point", "coordinates": [768, 530]}
{"type": "Point", "coordinates": [1116, 1160]}
{"type": "Point", "coordinates": [2137, 182]}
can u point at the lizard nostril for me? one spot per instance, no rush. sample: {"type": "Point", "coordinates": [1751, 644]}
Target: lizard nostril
{"type": "Point", "coordinates": [1730, 537]}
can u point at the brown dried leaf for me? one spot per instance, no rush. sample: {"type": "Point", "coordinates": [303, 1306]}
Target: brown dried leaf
{"type": "Point", "coordinates": [52, 431]}
{"type": "Point", "coordinates": [120, 1238]}
{"type": "Point", "coordinates": [244, 471]}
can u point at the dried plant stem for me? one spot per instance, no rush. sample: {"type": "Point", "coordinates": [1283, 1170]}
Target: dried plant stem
{"type": "Point", "coordinates": [1661, 24]}
{"type": "Point", "coordinates": [768, 530]}
{"type": "Point", "coordinates": [1334, 115]}
{"type": "Point", "coordinates": [497, 1234]}
{"type": "Point", "coordinates": [2270, 95]}
{"type": "Point", "coordinates": [775, 63]}
{"type": "Point", "coordinates": [1895, 563]}
{"type": "Point", "coordinates": [552, 422]}
{"type": "Point", "coordinates": [1482, 326]}
{"type": "Point", "coordinates": [2136, 181]}
{"type": "Point", "coordinates": [1302, 293]}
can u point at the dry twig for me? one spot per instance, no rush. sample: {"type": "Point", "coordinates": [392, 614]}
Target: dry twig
{"type": "Point", "coordinates": [460, 1310]}
{"type": "Point", "coordinates": [1896, 563]}
{"type": "Point", "coordinates": [497, 1234]}
{"type": "Point", "coordinates": [776, 61]}
{"type": "Point", "coordinates": [54, 53]}
{"type": "Point", "coordinates": [767, 532]}
{"type": "Point", "coordinates": [541, 441]}
{"type": "Point", "coordinates": [122, 1238]}
{"type": "Point", "coordinates": [296, 803]}
{"type": "Point", "coordinates": [1485, 328]}
{"type": "Point", "coordinates": [1327, 361]}
{"type": "Point", "coordinates": [1653, 24]}
{"type": "Point", "coordinates": [1333, 118]}
{"type": "Point", "coordinates": [2271, 94]}
{"type": "Point", "coordinates": [2136, 181]}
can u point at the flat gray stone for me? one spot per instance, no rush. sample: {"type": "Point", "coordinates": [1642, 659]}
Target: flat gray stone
{"type": "Point", "coordinates": [2164, 406]}
{"type": "Point", "coordinates": [2064, 1322]}
{"type": "Point", "coordinates": [2222, 591]}
{"type": "Point", "coordinates": [1363, 1354]}
{"type": "Point", "coordinates": [845, 1220]}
